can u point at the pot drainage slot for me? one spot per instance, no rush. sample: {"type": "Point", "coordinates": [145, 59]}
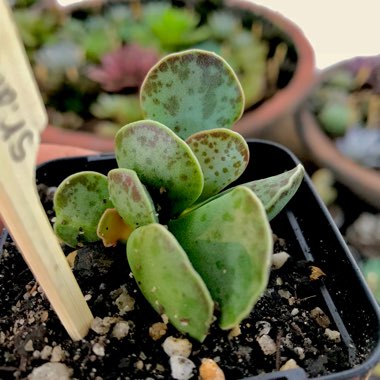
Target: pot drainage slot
{"type": "Point", "coordinates": [346, 337]}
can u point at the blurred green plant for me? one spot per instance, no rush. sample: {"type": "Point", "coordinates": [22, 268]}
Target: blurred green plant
{"type": "Point", "coordinates": [83, 58]}
{"type": "Point", "coordinates": [347, 105]}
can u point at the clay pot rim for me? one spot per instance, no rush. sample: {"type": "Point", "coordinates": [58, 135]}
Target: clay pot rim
{"type": "Point", "coordinates": [323, 74]}
{"type": "Point", "coordinates": [372, 60]}
{"type": "Point", "coordinates": [254, 122]}
{"type": "Point", "coordinates": [362, 181]}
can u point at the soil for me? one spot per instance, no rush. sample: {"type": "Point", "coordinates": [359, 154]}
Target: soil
{"type": "Point", "coordinates": [290, 321]}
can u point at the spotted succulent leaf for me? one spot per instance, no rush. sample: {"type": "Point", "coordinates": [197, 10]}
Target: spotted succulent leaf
{"type": "Point", "coordinates": [130, 197]}
{"type": "Point", "coordinates": [162, 161]}
{"type": "Point", "coordinates": [223, 155]}
{"type": "Point", "coordinates": [229, 243]}
{"type": "Point", "coordinates": [275, 192]}
{"type": "Point", "coordinates": [79, 202]}
{"type": "Point", "coordinates": [168, 280]}
{"type": "Point", "coordinates": [192, 90]}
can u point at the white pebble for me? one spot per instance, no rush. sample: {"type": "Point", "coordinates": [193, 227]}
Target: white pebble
{"type": "Point", "coordinates": [120, 330]}
{"type": "Point", "coordinates": [279, 259]}
{"type": "Point", "coordinates": [181, 368]}
{"type": "Point", "coordinates": [46, 352]}
{"type": "Point", "coordinates": [29, 346]}
{"type": "Point", "coordinates": [284, 294]}
{"type": "Point", "coordinates": [51, 371]}
{"type": "Point", "coordinates": [290, 364]}
{"type": "Point", "coordinates": [333, 335]}
{"type": "Point", "coordinates": [294, 312]}
{"type": "Point", "coordinates": [177, 347]}
{"type": "Point", "coordinates": [102, 325]}
{"type": "Point", "coordinates": [125, 302]}
{"type": "Point", "coordinates": [57, 354]}
{"type": "Point", "coordinates": [98, 349]}
{"type": "Point", "coordinates": [267, 344]}
{"type": "Point", "coordinates": [264, 328]}
{"type": "Point", "coordinates": [300, 352]}
{"type": "Point", "coordinates": [139, 365]}
{"type": "Point", "coordinates": [36, 354]}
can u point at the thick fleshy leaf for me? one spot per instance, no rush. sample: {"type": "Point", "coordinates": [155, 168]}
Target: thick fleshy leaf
{"type": "Point", "coordinates": [79, 203]}
{"type": "Point", "coordinates": [168, 281]}
{"type": "Point", "coordinates": [229, 242]}
{"type": "Point", "coordinates": [191, 91]}
{"type": "Point", "coordinates": [112, 228]}
{"type": "Point", "coordinates": [162, 161]}
{"type": "Point", "coordinates": [223, 155]}
{"type": "Point", "coordinates": [276, 191]}
{"type": "Point", "coordinates": [130, 198]}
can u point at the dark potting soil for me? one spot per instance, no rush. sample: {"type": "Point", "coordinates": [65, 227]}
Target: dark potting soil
{"type": "Point", "coordinates": [287, 326]}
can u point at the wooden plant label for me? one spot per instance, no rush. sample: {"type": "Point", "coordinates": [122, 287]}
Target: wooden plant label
{"type": "Point", "coordinates": [22, 119]}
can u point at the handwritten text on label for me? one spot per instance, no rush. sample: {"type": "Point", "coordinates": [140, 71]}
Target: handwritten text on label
{"type": "Point", "coordinates": [13, 129]}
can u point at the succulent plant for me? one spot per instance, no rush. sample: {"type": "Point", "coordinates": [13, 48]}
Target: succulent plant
{"type": "Point", "coordinates": [34, 29]}
{"type": "Point", "coordinates": [119, 108]}
{"type": "Point", "coordinates": [84, 53]}
{"type": "Point", "coordinates": [346, 104]}
{"type": "Point", "coordinates": [189, 244]}
{"type": "Point", "coordinates": [125, 67]}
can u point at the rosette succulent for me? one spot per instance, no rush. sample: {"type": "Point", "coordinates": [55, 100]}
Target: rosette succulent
{"type": "Point", "coordinates": [194, 241]}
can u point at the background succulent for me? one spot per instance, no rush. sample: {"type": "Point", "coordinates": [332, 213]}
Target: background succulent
{"type": "Point", "coordinates": [112, 47]}
{"type": "Point", "coordinates": [347, 106]}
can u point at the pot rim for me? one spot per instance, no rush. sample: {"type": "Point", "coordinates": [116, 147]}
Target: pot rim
{"type": "Point", "coordinates": [254, 122]}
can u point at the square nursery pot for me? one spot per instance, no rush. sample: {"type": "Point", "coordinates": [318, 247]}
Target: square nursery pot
{"type": "Point", "coordinates": [312, 240]}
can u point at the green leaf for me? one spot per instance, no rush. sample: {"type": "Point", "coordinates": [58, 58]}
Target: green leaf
{"type": "Point", "coordinates": [162, 161]}
{"type": "Point", "coordinates": [191, 91]}
{"type": "Point", "coordinates": [275, 192]}
{"type": "Point", "coordinates": [172, 25]}
{"type": "Point", "coordinates": [229, 242]}
{"type": "Point", "coordinates": [79, 202]}
{"type": "Point", "coordinates": [130, 197]}
{"type": "Point", "coordinates": [168, 281]}
{"type": "Point", "coordinates": [223, 155]}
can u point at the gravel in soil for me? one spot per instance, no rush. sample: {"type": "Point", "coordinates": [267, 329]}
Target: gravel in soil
{"type": "Point", "coordinates": [287, 327]}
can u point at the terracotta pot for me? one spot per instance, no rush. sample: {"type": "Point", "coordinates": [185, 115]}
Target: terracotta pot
{"type": "Point", "coordinates": [86, 140]}
{"type": "Point", "coordinates": [264, 121]}
{"type": "Point", "coordinates": [273, 118]}
{"type": "Point", "coordinates": [362, 181]}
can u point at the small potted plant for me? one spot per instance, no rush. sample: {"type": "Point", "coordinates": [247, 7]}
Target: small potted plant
{"type": "Point", "coordinates": [194, 295]}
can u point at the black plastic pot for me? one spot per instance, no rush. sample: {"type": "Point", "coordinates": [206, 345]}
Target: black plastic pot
{"type": "Point", "coordinates": [312, 235]}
